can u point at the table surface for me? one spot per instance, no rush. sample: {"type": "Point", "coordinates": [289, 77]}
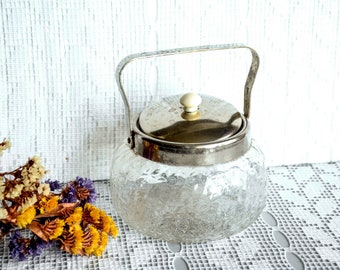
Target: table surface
{"type": "Point", "coordinates": [299, 229]}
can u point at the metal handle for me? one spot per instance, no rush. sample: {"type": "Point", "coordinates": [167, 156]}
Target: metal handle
{"type": "Point", "coordinates": [247, 87]}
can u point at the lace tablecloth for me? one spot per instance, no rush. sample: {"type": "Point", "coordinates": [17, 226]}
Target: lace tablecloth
{"type": "Point", "coordinates": [299, 229]}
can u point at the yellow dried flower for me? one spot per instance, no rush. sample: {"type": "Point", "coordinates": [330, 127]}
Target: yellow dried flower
{"type": "Point", "coordinates": [109, 226]}
{"type": "Point", "coordinates": [44, 189]}
{"type": "Point", "coordinates": [3, 213]}
{"type": "Point", "coordinates": [114, 230]}
{"type": "Point", "coordinates": [34, 172]}
{"type": "Point", "coordinates": [26, 217]}
{"type": "Point", "coordinates": [93, 211]}
{"type": "Point", "coordinates": [58, 230]}
{"type": "Point", "coordinates": [101, 220]}
{"type": "Point", "coordinates": [103, 242]}
{"type": "Point", "coordinates": [76, 217]}
{"type": "Point", "coordinates": [77, 232]}
{"type": "Point", "coordinates": [28, 203]}
{"type": "Point", "coordinates": [15, 191]}
{"type": "Point", "coordinates": [25, 177]}
{"type": "Point", "coordinates": [2, 189]}
{"type": "Point", "coordinates": [95, 236]}
{"type": "Point", "coordinates": [48, 205]}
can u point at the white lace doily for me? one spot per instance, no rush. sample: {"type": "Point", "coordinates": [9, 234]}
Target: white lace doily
{"type": "Point", "coordinates": [300, 229]}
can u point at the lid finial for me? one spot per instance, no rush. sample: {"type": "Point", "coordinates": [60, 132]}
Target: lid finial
{"type": "Point", "coordinates": [191, 101]}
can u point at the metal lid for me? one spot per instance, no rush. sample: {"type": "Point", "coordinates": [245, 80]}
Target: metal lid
{"type": "Point", "coordinates": [190, 119]}
{"type": "Point", "coordinates": [190, 131]}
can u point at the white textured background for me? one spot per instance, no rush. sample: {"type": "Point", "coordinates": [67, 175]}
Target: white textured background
{"type": "Point", "coordinates": [59, 99]}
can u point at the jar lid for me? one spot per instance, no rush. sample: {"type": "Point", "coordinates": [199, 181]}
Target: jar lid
{"type": "Point", "coordinates": [194, 130]}
{"type": "Point", "coordinates": [190, 119]}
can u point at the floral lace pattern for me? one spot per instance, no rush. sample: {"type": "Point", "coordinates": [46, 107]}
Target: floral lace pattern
{"type": "Point", "coordinates": [299, 229]}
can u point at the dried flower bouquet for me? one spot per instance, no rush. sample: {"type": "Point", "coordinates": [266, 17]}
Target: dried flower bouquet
{"type": "Point", "coordinates": [50, 213]}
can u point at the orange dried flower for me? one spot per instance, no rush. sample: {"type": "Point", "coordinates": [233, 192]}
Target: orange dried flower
{"type": "Point", "coordinates": [77, 246]}
{"type": "Point", "coordinates": [109, 225]}
{"type": "Point", "coordinates": [93, 212]}
{"type": "Point", "coordinates": [95, 237]}
{"type": "Point", "coordinates": [58, 230]}
{"type": "Point", "coordinates": [76, 217]}
{"type": "Point", "coordinates": [103, 242]}
{"type": "Point", "coordinates": [26, 217]}
{"type": "Point", "coordinates": [47, 205]}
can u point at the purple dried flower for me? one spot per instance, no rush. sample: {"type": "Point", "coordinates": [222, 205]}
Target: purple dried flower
{"type": "Point", "coordinates": [17, 246]}
{"type": "Point", "coordinates": [81, 190]}
{"type": "Point", "coordinates": [54, 185]}
{"type": "Point", "coordinates": [69, 194]}
{"type": "Point", "coordinates": [86, 183]}
{"type": "Point", "coordinates": [36, 246]}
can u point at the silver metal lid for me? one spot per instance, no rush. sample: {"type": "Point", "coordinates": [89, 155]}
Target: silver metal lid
{"type": "Point", "coordinates": [191, 130]}
{"type": "Point", "coordinates": [190, 119]}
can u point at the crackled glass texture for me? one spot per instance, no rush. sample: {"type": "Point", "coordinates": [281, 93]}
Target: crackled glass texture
{"type": "Point", "coordinates": [188, 203]}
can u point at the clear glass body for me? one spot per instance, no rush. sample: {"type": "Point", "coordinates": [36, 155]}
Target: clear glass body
{"type": "Point", "coordinates": [188, 203]}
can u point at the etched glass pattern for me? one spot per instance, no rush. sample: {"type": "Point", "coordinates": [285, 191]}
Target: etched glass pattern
{"type": "Point", "coordinates": [188, 203]}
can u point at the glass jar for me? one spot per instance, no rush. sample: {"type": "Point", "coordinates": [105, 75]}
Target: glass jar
{"type": "Point", "coordinates": [190, 171]}
{"type": "Point", "coordinates": [188, 203]}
